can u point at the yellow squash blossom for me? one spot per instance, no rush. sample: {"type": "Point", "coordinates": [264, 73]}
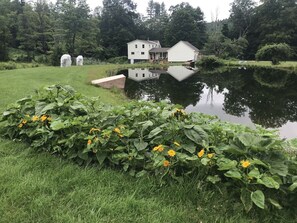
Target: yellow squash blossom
{"type": "Point", "coordinates": [158, 148]}
{"type": "Point", "coordinates": [43, 118]}
{"type": "Point", "coordinates": [94, 129]}
{"type": "Point", "coordinates": [177, 144]}
{"type": "Point", "coordinates": [171, 153]}
{"type": "Point", "coordinates": [117, 130]}
{"type": "Point", "coordinates": [24, 121]}
{"type": "Point", "coordinates": [166, 163]}
{"type": "Point", "coordinates": [89, 142]}
{"type": "Point", "coordinates": [20, 125]}
{"type": "Point", "coordinates": [201, 153]}
{"type": "Point", "coordinates": [245, 163]}
{"type": "Point", "coordinates": [210, 155]}
{"type": "Point", "coordinates": [35, 118]}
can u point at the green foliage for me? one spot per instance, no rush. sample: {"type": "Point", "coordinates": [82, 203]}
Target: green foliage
{"type": "Point", "coordinates": [145, 138]}
{"type": "Point", "coordinates": [274, 52]}
{"type": "Point", "coordinates": [118, 60]}
{"type": "Point", "coordinates": [210, 62]}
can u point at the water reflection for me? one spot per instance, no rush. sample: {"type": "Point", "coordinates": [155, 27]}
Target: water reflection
{"type": "Point", "coordinates": [261, 96]}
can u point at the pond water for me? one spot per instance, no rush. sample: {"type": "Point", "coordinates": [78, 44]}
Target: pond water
{"type": "Point", "coordinates": [247, 96]}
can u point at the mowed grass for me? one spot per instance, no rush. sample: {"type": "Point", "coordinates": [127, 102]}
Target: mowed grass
{"type": "Point", "coordinates": [40, 187]}
{"type": "Point", "coordinates": [252, 63]}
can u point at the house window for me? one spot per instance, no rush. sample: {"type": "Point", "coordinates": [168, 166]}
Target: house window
{"type": "Point", "coordinates": [142, 53]}
{"type": "Point", "coordinates": [143, 75]}
{"type": "Point", "coordinates": [136, 75]}
{"type": "Point", "coordinates": [132, 53]}
{"type": "Point", "coordinates": [135, 45]}
{"type": "Point", "coordinates": [142, 45]}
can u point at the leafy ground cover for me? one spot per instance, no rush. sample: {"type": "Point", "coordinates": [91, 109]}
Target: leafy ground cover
{"type": "Point", "coordinates": [44, 188]}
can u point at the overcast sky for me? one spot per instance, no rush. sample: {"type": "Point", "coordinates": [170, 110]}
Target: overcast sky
{"type": "Point", "coordinates": [210, 8]}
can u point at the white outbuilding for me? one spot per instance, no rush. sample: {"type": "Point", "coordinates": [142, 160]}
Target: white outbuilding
{"type": "Point", "coordinates": [183, 51]}
{"type": "Point", "coordinates": [65, 60]}
{"type": "Point", "coordinates": [79, 60]}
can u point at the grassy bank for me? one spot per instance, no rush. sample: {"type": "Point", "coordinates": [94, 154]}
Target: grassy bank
{"type": "Point", "coordinates": [44, 188]}
{"type": "Point", "coordinates": [252, 63]}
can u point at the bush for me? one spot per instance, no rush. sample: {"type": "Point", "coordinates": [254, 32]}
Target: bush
{"type": "Point", "coordinates": [159, 139]}
{"type": "Point", "coordinates": [274, 52]}
{"type": "Point", "coordinates": [210, 62]}
{"type": "Point", "coordinates": [8, 66]}
{"type": "Point", "coordinates": [118, 60]}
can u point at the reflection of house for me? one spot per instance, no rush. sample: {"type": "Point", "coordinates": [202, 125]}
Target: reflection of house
{"type": "Point", "coordinates": [180, 73]}
{"type": "Point", "coordinates": [142, 74]}
{"type": "Point", "coordinates": [151, 50]}
{"type": "Point", "coordinates": [139, 49]}
{"type": "Point", "coordinates": [183, 51]}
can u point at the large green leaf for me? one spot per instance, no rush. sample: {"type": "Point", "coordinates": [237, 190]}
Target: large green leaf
{"type": "Point", "coordinates": [155, 132]}
{"type": "Point", "coordinates": [191, 148]}
{"type": "Point", "coordinates": [233, 174]}
{"type": "Point", "coordinates": [196, 134]}
{"type": "Point", "coordinates": [258, 198]}
{"type": "Point", "coordinates": [245, 198]}
{"type": "Point", "coordinates": [140, 145]}
{"type": "Point", "coordinates": [226, 164]}
{"type": "Point", "coordinates": [293, 186]}
{"type": "Point", "coordinates": [275, 203]}
{"type": "Point", "coordinates": [254, 173]}
{"type": "Point", "coordinates": [278, 167]}
{"type": "Point", "coordinates": [268, 182]}
{"type": "Point", "coordinates": [213, 179]}
{"type": "Point", "coordinates": [249, 140]}
{"type": "Point", "coordinates": [57, 125]}
{"type": "Point", "coordinates": [48, 107]}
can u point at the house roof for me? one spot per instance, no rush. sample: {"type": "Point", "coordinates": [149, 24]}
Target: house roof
{"type": "Point", "coordinates": [159, 50]}
{"type": "Point", "coordinates": [146, 41]}
{"type": "Point", "coordinates": [188, 44]}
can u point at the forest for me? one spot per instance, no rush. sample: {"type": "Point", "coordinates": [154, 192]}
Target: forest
{"type": "Point", "coordinates": [41, 31]}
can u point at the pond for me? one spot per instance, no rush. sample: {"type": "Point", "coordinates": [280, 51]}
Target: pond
{"type": "Point", "coordinates": [267, 97]}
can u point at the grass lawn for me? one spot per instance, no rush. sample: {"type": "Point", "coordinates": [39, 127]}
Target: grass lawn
{"type": "Point", "coordinates": [252, 63]}
{"type": "Point", "coordinates": [40, 187]}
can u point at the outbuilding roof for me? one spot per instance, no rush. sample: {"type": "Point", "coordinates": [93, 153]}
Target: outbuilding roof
{"type": "Point", "coordinates": [188, 44]}
{"type": "Point", "coordinates": [159, 50]}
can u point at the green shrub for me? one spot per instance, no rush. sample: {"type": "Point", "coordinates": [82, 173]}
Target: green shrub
{"type": "Point", "coordinates": [118, 60]}
{"type": "Point", "coordinates": [274, 52]}
{"type": "Point", "coordinates": [8, 66]}
{"type": "Point", "coordinates": [210, 62]}
{"type": "Point", "coordinates": [159, 139]}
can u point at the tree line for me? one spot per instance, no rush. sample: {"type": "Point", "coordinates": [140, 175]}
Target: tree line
{"type": "Point", "coordinates": [47, 30]}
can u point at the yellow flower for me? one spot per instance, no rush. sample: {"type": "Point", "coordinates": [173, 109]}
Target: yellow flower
{"type": "Point", "coordinates": [20, 125]}
{"type": "Point", "coordinates": [43, 118]}
{"type": "Point", "coordinates": [171, 153]}
{"type": "Point", "coordinates": [166, 163]}
{"type": "Point", "coordinates": [201, 153]}
{"type": "Point", "coordinates": [35, 118]}
{"type": "Point", "coordinates": [89, 142]}
{"type": "Point", "coordinates": [177, 144]}
{"type": "Point", "coordinates": [158, 148]}
{"type": "Point", "coordinates": [24, 121]}
{"type": "Point", "coordinates": [245, 163]}
{"type": "Point", "coordinates": [94, 129]}
{"type": "Point", "coordinates": [117, 130]}
{"type": "Point", "coordinates": [121, 135]}
{"type": "Point", "coordinates": [210, 155]}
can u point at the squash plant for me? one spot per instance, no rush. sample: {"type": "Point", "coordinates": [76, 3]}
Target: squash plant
{"type": "Point", "coordinates": [160, 139]}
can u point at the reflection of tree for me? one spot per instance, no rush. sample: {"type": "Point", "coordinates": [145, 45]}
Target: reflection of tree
{"type": "Point", "coordinates": [166, 87]}
{"type": "Point", "coordinates": [270, 95]}
{"type": "Point", "coordinates": [271, 78]}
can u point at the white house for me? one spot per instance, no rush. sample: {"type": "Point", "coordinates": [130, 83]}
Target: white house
{"type": "Point", "coordinates": [139, 49]}
{"type": "Point", "coordinates": [183, 51]}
